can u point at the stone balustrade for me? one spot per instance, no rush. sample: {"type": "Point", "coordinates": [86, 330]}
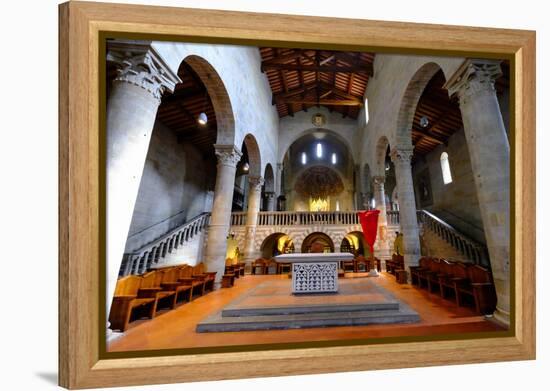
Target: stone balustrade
{"type": "Point", "coordinates": [142, 259]}
{"type": "Point", "coordinates": [472, 250]}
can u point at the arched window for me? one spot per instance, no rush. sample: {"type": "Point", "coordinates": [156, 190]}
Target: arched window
{"type": "Point", "coordinates": [304, 158]}
{"type": "Point", "coordinates": [319, 150]}
{"type": "Point", "coordinates": [333, 158]}
{"type": "Point", "coordinates": [366, 111]}
{"type": "Point", "coordinates": [445, 168]}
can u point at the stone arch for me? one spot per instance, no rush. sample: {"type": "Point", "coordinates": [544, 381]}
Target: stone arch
{"type": "Point", "coordinates": [218, 95]}
{"type": "Point", "coordinates": [262, 235]}
{"type": "Point", "coordinates": [266, 241]}
{"type": "Point", "coordinates": [336, 237]}
{"type": "Point", "coordinates": [269, 179]}
{"type": "Point", "coordinates": [254, 158]}
{"type": "Point", "coordinates": [314, 236]}
{"type": "Point", "coordinates": [381, 148]}
{"type": "Point", "coordinates": [409, 101]}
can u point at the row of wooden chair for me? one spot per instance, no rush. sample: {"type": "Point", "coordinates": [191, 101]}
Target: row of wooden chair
{"type": "Point", "coordinates": [269, 266]}
{"type": "Point", "coordinates": [465, 282]}
{"type": "Point", "coordinates": [138, 296]}
{"type": "Point", "coordinates": [397, 262]}
{"type": "Point", "coordinates": [361, 264]}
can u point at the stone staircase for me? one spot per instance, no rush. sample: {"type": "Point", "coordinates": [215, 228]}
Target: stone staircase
{"type": "Point", "coordinates": [433, 245]}
{"type": "Point", "coordinates": [184, 242]}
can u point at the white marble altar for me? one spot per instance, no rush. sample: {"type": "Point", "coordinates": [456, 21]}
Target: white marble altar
{"type": "Point", "coordinates": [314, 272]}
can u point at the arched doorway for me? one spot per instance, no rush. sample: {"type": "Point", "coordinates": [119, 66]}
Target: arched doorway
{"type": "Point", "coordinates": [318, 237]}
{"type": "Point", "coordinates": [354, 243]}
{"type": "Point", "coordinates": [275, 244]}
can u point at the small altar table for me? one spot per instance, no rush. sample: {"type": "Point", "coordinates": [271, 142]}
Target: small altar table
{"type": "Point", "coordinates": [314, 272]}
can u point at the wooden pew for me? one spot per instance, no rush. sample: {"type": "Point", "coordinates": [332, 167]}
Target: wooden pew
{"type": "Point", "coordinates": [209, 277]}
{"type": "Point", "coordinates": [169, 281]}
{"type": "Point", "coordinates": [361, 261]}
{"type": "Point", "coordinates": [480, 287]}
{"type": "Point", "coordinates": [417, 272]}
{"type": "Point", "coordinates": [185, 275]}
{"type": "Point", "coordinates": [150, 288]}
{"type": "Point", "coordinates": [127, 303]}
{"type": "Point", "coordinates": [397, 262]}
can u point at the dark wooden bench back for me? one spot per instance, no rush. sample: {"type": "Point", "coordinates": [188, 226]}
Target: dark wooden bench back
{"type": "Point", "coordinates": [460, 270]}
{"type": "Point", "coordinates": [185, 271]}
{"type": "Point", "coordinates": [149, 280]}
{"type": "Point", "coordinates": [169, 274]}
{"type": "Point", "coordinates": [425, 262]}
{"type": "Point", "coordinates": [445, 267]}
{"type": "Point", "coordinates": [477, 273]}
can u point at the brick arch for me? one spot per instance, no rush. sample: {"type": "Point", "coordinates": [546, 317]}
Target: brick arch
{"type": "Point", "coordinates": [218, 95]}
{"type": "Point", "coordinates": [409, 101]}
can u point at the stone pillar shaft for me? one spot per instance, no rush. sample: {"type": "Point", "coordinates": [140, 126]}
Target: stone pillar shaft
{"type": "Point", "coordinates": [382, 249]}
{"type": "Point", "coordinates": [489, 150]}
{"type": "Point", "coordinates": [401, 159]}
{"type": "Point", "coordinates": [131, 112]}
{"type": "Point", "coordinates": [270, 204]}
{"type": "Point", "coordinates": [216, 246]}
{"type": "Point", "coordinates": [279, 178]}
{"type": "Point", "coordinates": [254, 197]}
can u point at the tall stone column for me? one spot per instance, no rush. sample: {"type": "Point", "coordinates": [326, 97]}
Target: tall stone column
{"type": "Point", "coordinates": [131, 111]}
{"type": "Point", "coordinates": [216, 246]}
{"type": "Point", "coordinates": [254, 195]}
{"type": "Point", "coordinates": [401, 158]}
{"type": "Point", "coordinates": [382, 249]}
{"type": "Point", "coordinates": [489, 149]}
{"type": "Point", "coordinates": [270, 198]}
{"type": "Point", "coordinates": [279, 190]}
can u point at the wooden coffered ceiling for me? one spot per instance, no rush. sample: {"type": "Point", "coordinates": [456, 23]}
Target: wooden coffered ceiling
{"type": "Point", "coordinates": [303, 78]}
{"type": "Point", "coordinates": [443, 114]}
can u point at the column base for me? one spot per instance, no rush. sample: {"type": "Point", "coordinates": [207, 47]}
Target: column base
{"type": "Point", "coordinates": [501, 317]}
{"type": "Point", "coordinates": [373, 273]}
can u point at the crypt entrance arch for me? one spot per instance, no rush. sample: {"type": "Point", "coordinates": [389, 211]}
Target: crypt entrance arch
{"type": "Point", "coordinates": [275, 244]}
{"type": "Point", "coordinates": [317, 237]}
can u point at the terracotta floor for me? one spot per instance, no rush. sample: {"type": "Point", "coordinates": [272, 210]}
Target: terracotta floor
{"type": "Point", "coordinates": [176, 328]}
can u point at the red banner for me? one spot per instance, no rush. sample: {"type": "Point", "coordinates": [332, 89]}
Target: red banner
{"type": "Point", "coordinates": [369, 222]}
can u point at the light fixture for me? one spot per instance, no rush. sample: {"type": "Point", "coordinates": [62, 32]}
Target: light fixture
{"type": "Point", "coordinates": [424, 121]}
{"type": "Point", "coordinates": [304, 158]}
{"type": "Point", "coordinates": [333, 158]}
{"type": "Point", "coordinates": [246, 167]}
{"type": "Point", "coordinates": [202, 119]}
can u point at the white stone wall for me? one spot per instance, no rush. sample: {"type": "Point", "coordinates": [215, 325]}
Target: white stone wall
{"type": "Point", "coordinates": [456, 202]}
{"type": "Point", "coordinates": [292, 128]}
{"type": "Point", "coordinates": [172, 188]}
{"type": "Point", "coordinates": [385, 92]}
{"type": "Point", "coordinates": [248, 89]}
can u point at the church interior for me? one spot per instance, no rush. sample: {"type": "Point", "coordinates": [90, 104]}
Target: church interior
{"type": "Point", "coordinates": [237, 177]}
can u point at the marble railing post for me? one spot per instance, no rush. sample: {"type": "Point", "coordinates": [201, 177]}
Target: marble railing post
{"type": "Point", "coordinates": [254, 195]}
{"type": "Point", "coordinates": [489, 149]}
{"type": "Point", "coordinates": [131, 111]}
{"type": "Point", "coordinates": [401, 158]}
{"type": "Point", "coordinates": [382, 249]}
{"type": "Point", "coordinates": [216, 246]}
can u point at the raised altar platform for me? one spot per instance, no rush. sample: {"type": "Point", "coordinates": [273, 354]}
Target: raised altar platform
{"type": "Point", "coordinates": [314, 272]}
{"type": "Point", "coordinates": [272, 306]}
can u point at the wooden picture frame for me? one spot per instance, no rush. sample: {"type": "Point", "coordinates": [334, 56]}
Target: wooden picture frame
{"type": "Point", "coordinates": [81, 160]}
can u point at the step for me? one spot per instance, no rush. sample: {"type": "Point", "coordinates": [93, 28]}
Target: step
{"type": "Point", "coordinates": [217, 323]}
{"type": "Point", "coordinates": [308, 309]}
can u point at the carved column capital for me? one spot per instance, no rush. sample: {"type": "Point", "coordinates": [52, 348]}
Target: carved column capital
{"type": "Point", "coordinates": [474, 77]}
{"type": "Point", "coordinates": [255, 183]}
{"type": "Point", "coordinates": [228, 155]}
{"type": "Point", "coordinates": [139, 64]}
{"type": "Point", "coordinates": [401, 155]}
{"type": "Point", "coordinates": [379, 179]}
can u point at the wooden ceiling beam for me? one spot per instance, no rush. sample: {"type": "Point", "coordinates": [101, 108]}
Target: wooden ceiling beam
{"type": "Point", "coordinates": [318, 68]}
{"type": "Point", "coordinates": [311, 86]}
{"type": "Point", "coordinates": [282, 75]}
{"type": "Point", "coordinates": [429, 137]}
{"type": "Point", "coordinates": [325, 102]}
